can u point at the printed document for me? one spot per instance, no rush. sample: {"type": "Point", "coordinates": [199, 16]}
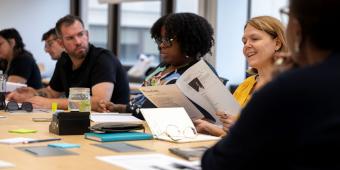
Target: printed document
{"type": "Point", "coordinates": [199, 85]}
{"type": "Point", "coordinates": [149, 162]}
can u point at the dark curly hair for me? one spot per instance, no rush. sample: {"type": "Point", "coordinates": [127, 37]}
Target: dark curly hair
{"type": "Point", "coordinates": [193, 32]}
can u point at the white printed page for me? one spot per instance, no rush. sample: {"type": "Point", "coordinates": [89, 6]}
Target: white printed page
{"type": "Point", "coordinates": [149, 162]}
{"type": "Point", "coordinates": [113, 117]}
{"type": "Point", "coordinates": [170, 96]}
{"type": "Point", "coordinates": [202, 86]}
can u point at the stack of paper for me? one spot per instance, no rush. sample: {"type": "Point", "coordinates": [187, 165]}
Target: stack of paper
{"type": "Point", "coordinates": [149, 162]}
{"type": "Point", "coordinates": [113, 117]}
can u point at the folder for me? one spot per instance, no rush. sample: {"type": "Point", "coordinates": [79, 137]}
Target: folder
{"type": "Point", "coordinates": [119, 136]}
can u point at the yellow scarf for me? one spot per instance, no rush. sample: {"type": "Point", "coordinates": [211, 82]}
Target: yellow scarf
{"type": "Point", "coordinates": [245, 90]}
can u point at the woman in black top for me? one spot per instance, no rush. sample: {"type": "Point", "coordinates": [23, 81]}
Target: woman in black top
{"type": "Point", "coordinates": [182, 40]}
{"type": "Point", "coordinates": [16, 61]}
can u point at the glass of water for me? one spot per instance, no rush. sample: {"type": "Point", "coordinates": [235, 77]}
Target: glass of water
{"type": "Point", "coordinates": [79, 99]}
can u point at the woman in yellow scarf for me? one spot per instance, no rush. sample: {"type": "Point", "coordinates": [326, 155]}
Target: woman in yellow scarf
{"type": "Point", "coordinates": [263, 39]}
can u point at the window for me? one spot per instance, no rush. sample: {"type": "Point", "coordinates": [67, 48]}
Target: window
{"type": "Point", "coordinates": [96, 21]}
{"type": "Point", "coordinates": [136, 21]}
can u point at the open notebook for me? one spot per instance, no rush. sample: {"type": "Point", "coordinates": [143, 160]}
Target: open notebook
{"type": "Point", "coordinates": [174, 125]}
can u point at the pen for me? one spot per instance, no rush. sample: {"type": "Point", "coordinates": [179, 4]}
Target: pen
{"type": "Point", "coordinates": [42, 140]}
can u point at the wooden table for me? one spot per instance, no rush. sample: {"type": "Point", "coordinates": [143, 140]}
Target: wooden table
{"type": "Point", "coordinates": [86, 153]}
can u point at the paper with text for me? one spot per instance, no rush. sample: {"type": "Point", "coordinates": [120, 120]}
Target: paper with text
{"type": "Point", "coordinates": [170, 96]}
{"type": "Point", "coordinates": [199, 84]}
{"type": "Point", "coordinates": [203, 87]}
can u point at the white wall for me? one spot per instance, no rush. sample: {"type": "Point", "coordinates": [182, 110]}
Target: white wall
{"type": "Point", "coordinates": [231, 17]}
{"type": "Point", "coordinates": [32, 18]}
{"type": "Point", "coordinates": [267, 7]}
{"type": "Point", "coordinates": [230, 62]}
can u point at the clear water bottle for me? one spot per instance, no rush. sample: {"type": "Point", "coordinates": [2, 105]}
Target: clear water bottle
{"type": "Point", "coordinates": [2, 90]}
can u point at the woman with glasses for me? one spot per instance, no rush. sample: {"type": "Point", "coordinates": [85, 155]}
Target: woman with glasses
{"type": "Point", "coordinates": [294, 121]}
{"type": "Point", "coordinates": [16, 61]}
{"type": "Point", "coordinates": [182, 39]}
{"type": "Point", "coordinates": [263, 39]}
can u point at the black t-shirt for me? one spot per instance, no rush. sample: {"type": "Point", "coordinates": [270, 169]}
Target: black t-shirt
{"type": "Point", "coordinates": [99, 66]}
{"type": "Point", "coordinates": [24, 65]}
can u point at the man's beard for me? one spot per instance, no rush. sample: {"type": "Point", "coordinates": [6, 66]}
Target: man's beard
{"type": "Point", "coordinates": [79, 55]}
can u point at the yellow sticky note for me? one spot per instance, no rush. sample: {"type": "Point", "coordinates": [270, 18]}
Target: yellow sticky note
{"type": "Point", "coordinates": [22, 131]}
{"type": "Point", "coordinates": [54, 107]}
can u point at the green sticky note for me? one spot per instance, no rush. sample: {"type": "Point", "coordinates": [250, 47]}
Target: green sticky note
{"type": "Point", "coordinates": [22, 131]}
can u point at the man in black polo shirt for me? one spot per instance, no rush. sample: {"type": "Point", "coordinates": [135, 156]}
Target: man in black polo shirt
{"type": "Point", "coordinates": [81, 65]}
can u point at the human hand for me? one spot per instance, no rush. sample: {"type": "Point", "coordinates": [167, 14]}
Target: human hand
{"type": "Point", "coordinates": [105, 106]}
{"type": "Point", "coordinates": [21, 94]}
{"type": "Point", "coordinates": [203, 126]}
{"type": "Point", "coordinates": [227, 120]}
{"type": "Point", "coordinates": [39, 102]}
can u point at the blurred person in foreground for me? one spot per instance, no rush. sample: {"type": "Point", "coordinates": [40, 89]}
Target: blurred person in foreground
{"type": "Point", "coordinates": [293, 122]}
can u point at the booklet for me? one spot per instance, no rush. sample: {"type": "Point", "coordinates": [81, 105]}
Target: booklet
{"type": "Point", "coordinates": [174, 125]}
{"type": "Point", "coordinates": [198, 90]}
{"type": "Point", "coordinates": [119, 136]}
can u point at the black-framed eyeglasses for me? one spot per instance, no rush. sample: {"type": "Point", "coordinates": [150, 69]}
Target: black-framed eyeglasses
{"type": "Point", "coordinates": [49, 43]}
{"type": "Point", "coordinates": [284, 15]}
{"type": "Point", "coordinates": [14, 106]}
{"type": "Point", "coordinates": [166, 42]}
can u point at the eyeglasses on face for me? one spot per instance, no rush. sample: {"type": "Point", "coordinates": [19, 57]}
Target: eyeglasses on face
{"type": "Point", "coordinates": [14, 106]}
{"type": "Point", "coordinates": [166, 42]}
{"type": "Point", "coordinates": [49, 43]}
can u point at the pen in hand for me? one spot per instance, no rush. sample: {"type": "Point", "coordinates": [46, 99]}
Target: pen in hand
{"type": "Point", "coordinates": [42, 140]}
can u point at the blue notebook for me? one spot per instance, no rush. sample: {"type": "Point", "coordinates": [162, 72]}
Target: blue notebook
{"type": "Point", "coordinates": [119, 136]}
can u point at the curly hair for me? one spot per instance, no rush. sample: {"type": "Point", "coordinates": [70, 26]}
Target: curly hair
{"type": "Point", "coordinates": [193, 32]}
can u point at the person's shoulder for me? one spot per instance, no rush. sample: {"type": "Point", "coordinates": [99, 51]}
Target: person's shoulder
{"type": "Point", "coordinates": [100, 52]}
{"type": "Point", "coordinates": [25, 57]}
